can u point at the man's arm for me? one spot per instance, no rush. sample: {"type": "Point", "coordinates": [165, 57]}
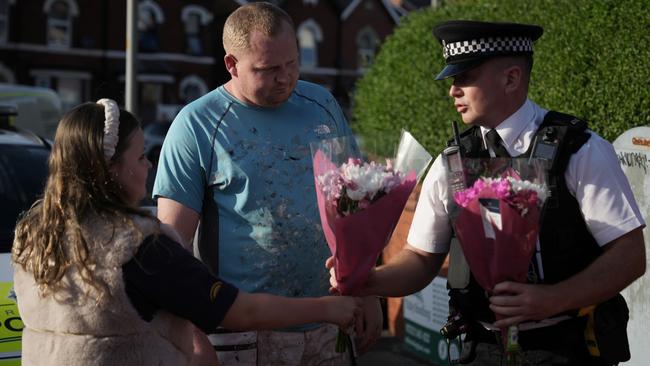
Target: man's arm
{"type": "Point", "coordinates": [409, 272]}
{"type": "Point", "coordinates": [622, 261]}
{"type": "Point", "coordinates": [183, 219]}
{"type": "Point", "coordinates": [266, 311]}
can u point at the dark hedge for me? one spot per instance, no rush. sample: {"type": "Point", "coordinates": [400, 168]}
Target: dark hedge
{"type": "Point", "coordinates": [592, 61]}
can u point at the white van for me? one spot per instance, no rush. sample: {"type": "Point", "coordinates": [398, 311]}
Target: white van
{"type": "Point", "coordinates": [39, 109]}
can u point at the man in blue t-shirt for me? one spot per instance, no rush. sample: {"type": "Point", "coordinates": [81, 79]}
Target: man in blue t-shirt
{"type": "Point", "coordinates": [245, 145]}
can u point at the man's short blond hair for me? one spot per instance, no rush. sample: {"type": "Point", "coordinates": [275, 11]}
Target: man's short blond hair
{"type": "Point", "coordinates": [258, 16]}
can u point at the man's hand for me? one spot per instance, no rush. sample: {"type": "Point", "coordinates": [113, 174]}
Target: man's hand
{"type": "Point", "coordinates": [622, 261]}
{"type": "Point", "coordinates": [519, 302]}
{"type": "Point", "coordinates": [334, 289]}
{"type": "Point", "coordinates": [373, 319]}
{"type": "Point", "coordinates": [329, 264]}
{"type": "Point", "coordinates": [373, 324]}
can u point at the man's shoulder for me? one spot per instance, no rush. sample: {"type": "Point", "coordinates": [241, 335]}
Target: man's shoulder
{"type": "Point", "coordinates": [211, 102]}
{"type": "Point", "coordinates": [312, 90]}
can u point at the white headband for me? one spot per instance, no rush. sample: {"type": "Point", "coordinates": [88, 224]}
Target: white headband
{"type": "Point", "coordinates": [111, 126]}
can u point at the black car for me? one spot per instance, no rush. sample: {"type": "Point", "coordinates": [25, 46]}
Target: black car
{"type": "Point", "coordinates": [23, 171]}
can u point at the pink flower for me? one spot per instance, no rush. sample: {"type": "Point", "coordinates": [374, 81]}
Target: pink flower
{"type": "Point", "coordinates": [517, 193]}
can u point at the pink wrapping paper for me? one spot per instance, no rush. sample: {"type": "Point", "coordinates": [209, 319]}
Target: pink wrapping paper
{"type": "Point", "coordinates": [505, 258]}
{"type": "Point", "coordinates": [356, 240]}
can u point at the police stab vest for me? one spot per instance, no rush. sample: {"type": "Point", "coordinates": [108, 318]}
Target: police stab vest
{"type": "Point", "coordinates": [567, 246]}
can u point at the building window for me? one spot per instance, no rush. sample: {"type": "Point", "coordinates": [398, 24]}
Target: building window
{"type": "Point", "coordinates": [73, 87]}
{"type": "Point", "coordinates": [191, 88]}
{"type": "Point", "coordinates": [42, 81]}
{"type": "Point", "coordinates": [151, 94]}
{"type": "Point", "coordinates": [153, 90]}
{"type": "Point", "coordinates": [59, 21]}
{"type": "Point", "coordinates": [4, 20]}
{"type": "Point", "coordinates": [193, 35]}
{"type": "Point", "coordinates": [6, 76]}
{"type": "Point", "coordinates": [149, 17]}
{"type": "Point", "coordinates": [195, 17]}
{"type": "Point", "coordinates": [367, 43]}
{"type": "Point", "coordinates": [71, 92]}
{"type": "Point", "coordinates": [309, 35]}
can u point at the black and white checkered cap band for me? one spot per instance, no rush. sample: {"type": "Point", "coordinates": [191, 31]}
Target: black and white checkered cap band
{"type": "Point", "coordinates": [487, 45]}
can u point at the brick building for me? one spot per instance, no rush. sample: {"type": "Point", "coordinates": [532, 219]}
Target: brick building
{"type": "Point", "coordinates": [77, 47]}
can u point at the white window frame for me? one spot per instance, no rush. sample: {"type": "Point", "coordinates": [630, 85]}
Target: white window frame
{"type": "Point", "coordinates": [157, 12]}
{"type": "Point", "coordinates": [310, 25]}
{"type": "Point", "coordinates": [365, 52]}
{"type": "Point", "coordinates": [206, 16]}
{"type": "Point", "coordinates": [151, 78]}
{"type": "Point", "coordinates": [194, 80]}
{"type": "Point", "coordinates": [7, 74]}
{"type": "Point", "coordinates": [149, 7]}
{"type": "Point", "coordinates": [5, 15]}
{"type": "Point", "coordinates": [67, 23]}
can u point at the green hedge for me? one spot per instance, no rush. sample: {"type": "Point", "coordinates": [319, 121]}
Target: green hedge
{"type": "Point", "coordinates": [593, 61]}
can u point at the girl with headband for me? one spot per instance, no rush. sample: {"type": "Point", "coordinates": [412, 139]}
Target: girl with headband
{"type": "Point", "coordinates": [100, 281]}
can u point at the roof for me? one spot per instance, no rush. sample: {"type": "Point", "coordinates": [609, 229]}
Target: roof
{"type": "Point", "coordinates": [346, 7]}
{"type": "Point", "coordinates": [394, 11]}
{"type": "Point", "coordinates": [411, 5]}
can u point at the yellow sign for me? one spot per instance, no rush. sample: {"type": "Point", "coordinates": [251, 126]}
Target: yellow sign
{"type": "Point", "coordinates": [11, 326]}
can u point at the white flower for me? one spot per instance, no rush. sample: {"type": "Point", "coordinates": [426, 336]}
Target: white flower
{"type": "Point", "coordinates": [360, 180]}
{"type": "Point", "coordinates": [526, 185]}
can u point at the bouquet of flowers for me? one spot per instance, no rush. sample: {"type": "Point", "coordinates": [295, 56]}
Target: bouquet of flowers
{"type": "Point", "coordinates": [360, 203]}
{"type": "Point", "coordinates": [497, 223]}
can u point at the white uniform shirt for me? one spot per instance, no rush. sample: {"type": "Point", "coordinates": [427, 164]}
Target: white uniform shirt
{"type": "Point", "coordinates": [594, 176]}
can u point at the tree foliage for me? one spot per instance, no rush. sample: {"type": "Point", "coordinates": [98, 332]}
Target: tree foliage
{"type": "Point", "coordinates": [592, 62]}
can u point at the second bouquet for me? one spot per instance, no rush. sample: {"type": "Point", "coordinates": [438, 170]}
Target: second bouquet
{"type": "Point", "coordinates": [360, 202]}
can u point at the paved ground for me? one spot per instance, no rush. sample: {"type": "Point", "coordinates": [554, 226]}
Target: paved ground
{"type": "Point", "coordinates": [388, 352]}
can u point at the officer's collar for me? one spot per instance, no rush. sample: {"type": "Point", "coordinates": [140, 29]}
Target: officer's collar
{"type": "Point", "coordinates": [511, 127]}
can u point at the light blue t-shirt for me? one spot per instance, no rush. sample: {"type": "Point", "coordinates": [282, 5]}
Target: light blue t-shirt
{"type": "Point", "coordinates": [270, 235]}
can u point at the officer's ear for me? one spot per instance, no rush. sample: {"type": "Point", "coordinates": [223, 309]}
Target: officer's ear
{"type": "Point", "coordinates": [513, 78]}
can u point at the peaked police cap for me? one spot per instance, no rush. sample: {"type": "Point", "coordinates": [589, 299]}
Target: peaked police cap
{"type": "Point", "coordinates": [466, 43]}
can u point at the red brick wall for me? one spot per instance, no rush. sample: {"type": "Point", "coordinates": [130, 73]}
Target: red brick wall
{"type": "Point", "coordinates": [327, 18]}
{"type": "Point", "coordinates": [369, 13]}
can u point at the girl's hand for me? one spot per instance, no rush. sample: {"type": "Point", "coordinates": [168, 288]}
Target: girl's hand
{"type": "Point", "coordinates": [344, 311]}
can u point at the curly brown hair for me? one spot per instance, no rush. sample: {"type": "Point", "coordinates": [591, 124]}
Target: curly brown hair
{"type": "Point", "coordinates": [49, 238]}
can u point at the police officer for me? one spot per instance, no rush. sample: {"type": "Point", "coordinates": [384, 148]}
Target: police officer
{"type": "Point", "coordinates": [591, 240]}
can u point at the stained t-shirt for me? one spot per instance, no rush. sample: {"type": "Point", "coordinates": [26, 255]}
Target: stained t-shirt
{"type": "Point", "coordinates": [270, 234]}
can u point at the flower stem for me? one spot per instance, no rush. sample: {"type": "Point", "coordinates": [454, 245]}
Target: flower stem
{"type": "Point", "coordinates": [341, 342]}
{"type": "Point", "coordinates": [512, 349]}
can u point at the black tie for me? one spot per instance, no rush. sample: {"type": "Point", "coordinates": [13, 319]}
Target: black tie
{"type": "Point", "coordinates": [494, 143]}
